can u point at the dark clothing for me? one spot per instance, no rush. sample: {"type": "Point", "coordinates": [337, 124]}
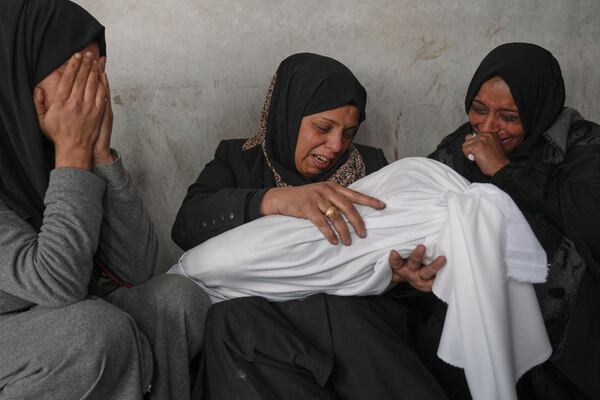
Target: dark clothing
{"type": "Point", "coordinates": [558, 190]}
{"type": "Point", "coordinates": [228, 191]}
{"type": "Point", "coordinates": [323, 347]}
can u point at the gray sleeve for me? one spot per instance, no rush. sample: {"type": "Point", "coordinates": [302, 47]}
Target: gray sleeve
{"type": "Point", "coordinates": [128, 244]}
{"type": "Point", "coordinates": [53, 267]}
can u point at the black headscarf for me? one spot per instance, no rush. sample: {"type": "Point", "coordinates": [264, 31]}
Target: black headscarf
{"type": "Point", "coordinates": [306, 84]}
{"type": "Point", "coordinates": [36, 37]}
{"type": "Point", "coordinates": [536, 84]}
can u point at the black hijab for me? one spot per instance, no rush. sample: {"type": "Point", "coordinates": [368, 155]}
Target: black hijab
{"type": "Point", "coordinates": [305, 84]}
{"type": "Point", "coordinates": [36, 37]}
{"type": "Point", "coordinates": [536, 84]}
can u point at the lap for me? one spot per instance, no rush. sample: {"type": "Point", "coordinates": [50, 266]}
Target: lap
{"type": "Point", "coordinates": [357, 345]}
{"type": "Point", "coordinates": [44, 346]}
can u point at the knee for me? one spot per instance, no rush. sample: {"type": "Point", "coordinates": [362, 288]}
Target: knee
{"type": "Point", "coordinates": [101, 328]}
{"type": "Point", "coordinates": [229, 318]}
{"type": "Point", "coordinates": [176, 295]}
{"type": "Point", "coordinates": [95, 334]}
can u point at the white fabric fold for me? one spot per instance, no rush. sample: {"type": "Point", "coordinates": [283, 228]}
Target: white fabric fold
{"type": "Point", "coordinates": [493, 327]}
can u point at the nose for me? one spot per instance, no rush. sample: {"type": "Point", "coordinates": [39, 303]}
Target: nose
{"type": "Point", "coordinates": [489, 124]}
{"type": "Point", "coordinates": [334, 142]}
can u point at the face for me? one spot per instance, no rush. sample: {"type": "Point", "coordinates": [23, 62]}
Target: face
{"type": "Point", "coordinates": [50, 83]}
{"type": "Point", "coordinates": [494, 110]}
{"type": "Point", "coordinates": [324, 137]}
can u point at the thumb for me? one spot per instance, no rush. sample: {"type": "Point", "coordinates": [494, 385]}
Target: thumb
{"type": "Point", "coordinates": [38, 101]}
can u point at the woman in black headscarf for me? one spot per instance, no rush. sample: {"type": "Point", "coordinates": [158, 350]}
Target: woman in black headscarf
{"type": "Point", "coordinates": [79, 315]}
{"type": "Point", "coordinates": [299, 164]}
{"type": "Point", "coordinates": [521, 138]}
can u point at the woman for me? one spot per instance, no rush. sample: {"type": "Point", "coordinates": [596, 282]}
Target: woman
{"type": "Point", "coordinates": [79, 315]}
{"type": "Point", "coordinates": [521, 138]}
{"type": "Point", "coordinates": [323, 347]}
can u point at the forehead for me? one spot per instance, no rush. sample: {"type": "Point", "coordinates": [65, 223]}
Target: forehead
{"type": "Point", "coordinates": [347, 114]}
{"type": "Point", "coordinates": [496, 93]}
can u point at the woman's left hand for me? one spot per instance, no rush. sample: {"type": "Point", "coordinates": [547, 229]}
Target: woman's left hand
{"type": "Point", "coordinates": [102, 153]}
{"type": "Point", "coordinates": [487, 150]}
{"type": "Point", "coordinates": [413, 271]}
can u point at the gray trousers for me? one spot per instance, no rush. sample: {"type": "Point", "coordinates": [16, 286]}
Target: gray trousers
{"type": "Point", "coordinates": [114, 347]}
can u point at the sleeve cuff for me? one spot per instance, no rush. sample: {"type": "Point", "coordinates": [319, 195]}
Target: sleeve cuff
{"type": "Point", "coordinates": [504, 176]}
{"type": "Point", "coordinates": [75, 180]}
{"type": "Point", "coordinates": [113, 173]}
{"type": "Point", "coordinates": [253, 204]}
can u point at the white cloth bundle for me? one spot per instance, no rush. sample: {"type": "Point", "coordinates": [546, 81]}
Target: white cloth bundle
{"type": "Point", "coordinates": [493, 327]}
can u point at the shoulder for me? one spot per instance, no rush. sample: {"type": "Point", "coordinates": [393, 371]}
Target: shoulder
{"type": "Point", "coordinates": [583, 132]}
{"type": "Point", "coordinates": [231, 150]}
{"type": "Point", "coordinates": [445, 149]}
{"type": "Point", "coordinates": [373, 157]}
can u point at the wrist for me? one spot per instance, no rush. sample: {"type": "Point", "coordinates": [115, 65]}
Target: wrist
{"type": "Point", "coordinates": [79, 157]}
{"type": "Point", "coordinates": [268, 204]}
{"type": "Point", "coordinates": [498, 167]}
{"type": "Point", "coordinates": [103, 157]}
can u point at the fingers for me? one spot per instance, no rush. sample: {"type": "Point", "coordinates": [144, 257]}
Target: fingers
{"type": "Point", "coordinates": [360, 198]}
{"type": "Point", "coordinates": [321, 222]}
{"type": "Point", "coordinates": [341, 227]}
{"type": "Point", "coordinates": [67, 80]}
{"type": "Point", "coordinates": [344, 199]}
{"type": "Point", "coordinates": [428, 272]}
{"type": "Point", "coordinates": [92, 84]}
{"type": "Point", "coordinates": [80, 83]}
{"type": "Point", "coordinates": [38, 102]}
{"type": "Point", "coordinates": [415, 260]}
{"type": "Point", "coordinates": [100, 101]}
{"type": "Point", "coordinates": [411, 270]}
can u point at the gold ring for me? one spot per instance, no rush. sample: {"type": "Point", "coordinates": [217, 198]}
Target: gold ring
{"type": "Point", "coordinates": [421, 276]}
{"type": "Point", "coordinates": [330, 211]}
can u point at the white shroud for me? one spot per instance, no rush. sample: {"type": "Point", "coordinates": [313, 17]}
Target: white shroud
{"type": "Point", "coordinates": [493, 327]}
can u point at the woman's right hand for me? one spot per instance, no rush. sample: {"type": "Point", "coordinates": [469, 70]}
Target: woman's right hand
{"type": "Point", "coordinates": [312, 202]}
{"type": "Point", "coordinates": [72, 119]}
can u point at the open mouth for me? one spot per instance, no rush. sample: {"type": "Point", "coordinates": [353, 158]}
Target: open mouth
{"type": "Point", "coordinates": [321, 162]}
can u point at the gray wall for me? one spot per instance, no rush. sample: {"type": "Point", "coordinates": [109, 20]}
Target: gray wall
{"type": "Point", "coordinates": [186, 74]}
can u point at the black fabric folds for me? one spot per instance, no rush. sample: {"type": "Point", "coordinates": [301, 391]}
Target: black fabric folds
{"type": "Point", "coordinates": [36, 37]}
{"type": "Point", "coordinates": [307, 84]}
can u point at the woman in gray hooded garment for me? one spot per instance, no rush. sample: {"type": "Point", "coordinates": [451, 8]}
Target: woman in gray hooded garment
{"type": "Point", "coordinates": [80, 315]}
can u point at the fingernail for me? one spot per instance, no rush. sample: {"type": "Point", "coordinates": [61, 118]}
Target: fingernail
{"type": "Point", "coordinates": [88, 54]}
{"type": "Point", "coordinates": [381, 204]}
{"type": "Point", "coordinates": [78, 55]}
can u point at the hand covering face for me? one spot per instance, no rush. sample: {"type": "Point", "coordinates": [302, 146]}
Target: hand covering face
{"type": "Point", "coordinates": [37, 37]}
{"type": "Point", "coordinates": [307, 84]}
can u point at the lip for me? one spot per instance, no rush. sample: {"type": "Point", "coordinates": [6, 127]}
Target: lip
{"type": "Point", "coordinates": [321, 165]}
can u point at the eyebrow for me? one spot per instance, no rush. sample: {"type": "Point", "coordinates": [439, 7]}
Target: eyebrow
{"type": "Point", "coordinates": [337, 123]}
{"type": "Point", "coordinates": [500, 109]}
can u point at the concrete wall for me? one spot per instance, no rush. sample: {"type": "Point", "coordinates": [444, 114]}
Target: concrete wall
{"type": "Point", "coordinates": [187, 73]}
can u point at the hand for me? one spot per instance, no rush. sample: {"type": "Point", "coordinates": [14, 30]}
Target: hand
{"type": "Point", "coordinates": [413, 271]}
{"type": "Point", "coordinates": [312, 201]}
{"type": "Point", "coordinates": [487, 150]}
{"type": "Point", "coordinates": [102, 153]}
{"type": "Point", "coordinates": [72, 120]}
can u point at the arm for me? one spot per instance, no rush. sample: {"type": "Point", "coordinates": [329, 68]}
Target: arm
{"type": "Point", "coordinates": [128, 244]}
{"type": "Point", "coordinates": [215, 203]}
{"type": "Point", "coordinates": [53, 268]}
